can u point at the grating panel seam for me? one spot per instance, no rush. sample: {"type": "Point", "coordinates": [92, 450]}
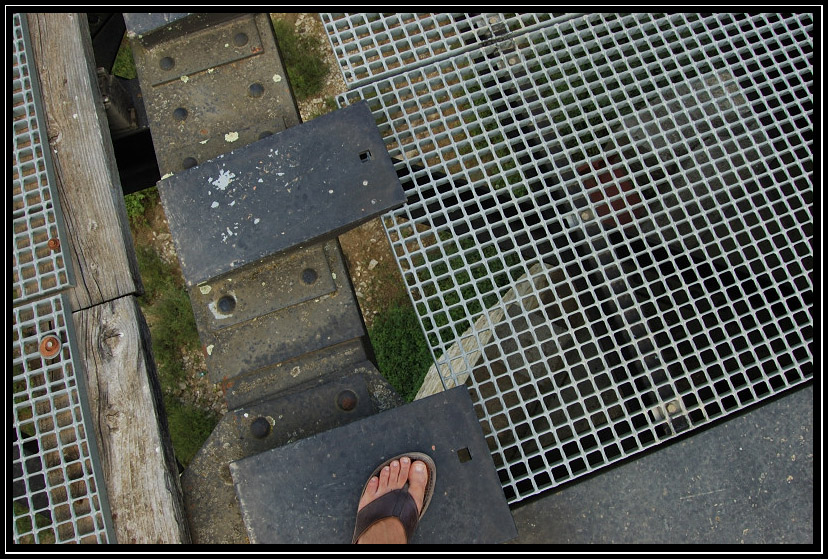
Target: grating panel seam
{"type": "Point", "coordinates": [373, 46]}
{"type": "Point", "coordinates": [39, 265]}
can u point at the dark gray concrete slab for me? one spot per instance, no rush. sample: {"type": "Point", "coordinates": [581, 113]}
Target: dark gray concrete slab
{"type": "Point", "coordinates": [748, 479]}
{"type": "Point", "coordinates": [308, 491]}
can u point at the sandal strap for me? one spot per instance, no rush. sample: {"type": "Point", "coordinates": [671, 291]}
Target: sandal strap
{"type": "Point", "coordinates": [398, 504]}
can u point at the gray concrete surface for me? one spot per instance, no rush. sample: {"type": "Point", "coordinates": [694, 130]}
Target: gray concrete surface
{"type": "Point", "coordinates": [746, 480]}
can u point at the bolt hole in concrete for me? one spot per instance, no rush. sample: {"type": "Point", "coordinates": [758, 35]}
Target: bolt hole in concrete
{"type": "Point", "coordinates": [309, 275]}
{"type": "Point", "coordinates": [464, 455]}
{"type": "Point", "coordinates": [256, 90]}
{"type": "Point", "coordinates": [166, 63]}
{"type": "Point", "coordinates": [260, 428]}
{"type": "Point", "coordinates": [227, 304]}
{"type": "Point", "coordinates": [365, 156]}
{"type": "Point", "coordinates": [180, 113]}
{"type": "Point", "coordinates": [240, 39]}
{"type": "Point", "coordinates": [189, 162]}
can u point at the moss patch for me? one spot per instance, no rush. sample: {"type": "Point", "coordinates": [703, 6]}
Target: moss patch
{"type": "Point", "coordinates": [401, 349]}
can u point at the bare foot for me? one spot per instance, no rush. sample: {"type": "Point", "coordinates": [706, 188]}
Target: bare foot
{"type": "Point", "coordinates": [391, 477]}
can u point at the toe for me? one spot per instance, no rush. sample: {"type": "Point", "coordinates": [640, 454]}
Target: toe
{"type": "Point", "coordinates": [405, 465]}
{"type": "Point", "coordinates": [370, 492]}
{"type": "Point", "coordinates": [385, 473]}
{"type": "Point", "coordinates": [417, 480]}
{"type": "Point", "coordinates": [394, 481]}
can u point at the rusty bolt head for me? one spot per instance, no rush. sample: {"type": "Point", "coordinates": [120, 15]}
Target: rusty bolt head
{"type": "Point", "coordinates": [54, 243]}
{"type": "Point", "coordinates": [346, 400]}
{"type": "Point", "coordinates": [49, 346]}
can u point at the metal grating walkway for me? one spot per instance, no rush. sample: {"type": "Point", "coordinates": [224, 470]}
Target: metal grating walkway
{"type": "Point", "coordinates": [58, 495]}
{"type": "Point", "coordinates": [609, 220]}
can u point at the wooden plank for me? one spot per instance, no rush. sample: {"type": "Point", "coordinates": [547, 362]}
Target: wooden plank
{"type": "Point", "coordinates": [130, 426]}
{"type": "Point", "coordinates": [101, 249]}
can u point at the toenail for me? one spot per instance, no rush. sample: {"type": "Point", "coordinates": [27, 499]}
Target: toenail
{"type": "Point", "coordinates": [404, 460]}
{"type": "Point", "coordinates": [419, 467]}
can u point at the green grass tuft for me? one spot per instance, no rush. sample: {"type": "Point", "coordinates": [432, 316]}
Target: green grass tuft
{"type": "Point", "coordinates": [189, 428]}
{"type": "Point", "coordinates": [137, 204]}
{"type": "Point", "coordinates": [166, 305]}
{"type": "Point", "coordinates": [303, 59]}
{"type": "Point", "coordinates": [401, 349]}
{"type": "Point", "coordinates": [124, 66]}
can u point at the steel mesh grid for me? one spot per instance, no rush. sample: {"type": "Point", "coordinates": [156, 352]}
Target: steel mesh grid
{"type": "Point", "coordinates": [370, 46]}
{"type": "Point", "coordinates": [584, 342]}
{"type": "Point", "coordinates": [38, 266]}
{"type": "Point", "coordinates": [55, 494]}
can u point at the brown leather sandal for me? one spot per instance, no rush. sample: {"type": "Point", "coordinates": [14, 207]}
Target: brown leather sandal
{"type": "Point", "coordinates": [397, 503]}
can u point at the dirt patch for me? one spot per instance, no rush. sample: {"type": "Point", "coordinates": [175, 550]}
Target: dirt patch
{"type": "Point", "coordinates": [373, 269]}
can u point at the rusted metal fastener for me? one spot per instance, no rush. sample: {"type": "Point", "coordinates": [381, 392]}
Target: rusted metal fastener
{"type": "Point", "coordinates": [54, 243]}
{"type": "Point", "coordinates": [260, 428]}
{"type": "Point", "coordinates": [49, 346]}
{"type": "Point", "coordinates": [346, 400]}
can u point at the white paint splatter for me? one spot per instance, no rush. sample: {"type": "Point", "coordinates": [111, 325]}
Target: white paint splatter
{"type": "Point", "coordinates": [210, 349]}
{"type": "Point", "coordinates": [233, 203]}
{"type": "Point", "coordinates": [224, 179]}
{"type": "Point", "coordinates": [168, 175]}
{"type": "Point", "coordinates": [260, 180]}
{"type": "Point", "coordinates": [277, 78]}
{"type": "Point", "coordinates": [204, 141]}
{"type": "Point", "coordinates": [231, 137]}
{"type": "Point", "coordinates": [256, 221]}
{"type": "Point", "coordinates": [205, 289]}
{"type": "Point", "coordinates": [185, 79]}
{"type": "Point", "coordinates": [214, 205]}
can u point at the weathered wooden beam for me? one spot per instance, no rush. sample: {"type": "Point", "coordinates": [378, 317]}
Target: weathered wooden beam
{"type": "Point", "coordinates": [138, 463]}
{"type": "Point", "coordinates": [101, 249]}
{"type": "Point", "coordinates": [130, 427]}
